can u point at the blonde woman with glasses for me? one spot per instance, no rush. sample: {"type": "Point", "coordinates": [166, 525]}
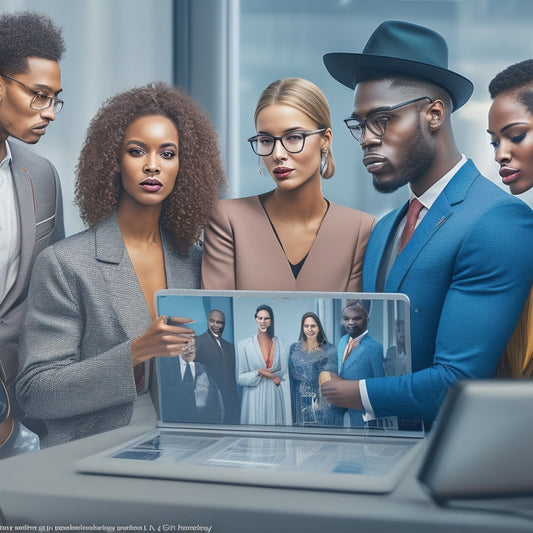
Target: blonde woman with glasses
{"type": "Point", "coordinates": [290, 238]}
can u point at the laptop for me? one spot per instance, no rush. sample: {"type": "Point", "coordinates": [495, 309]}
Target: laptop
{"type": "Point", "coordinates": [282, 432]}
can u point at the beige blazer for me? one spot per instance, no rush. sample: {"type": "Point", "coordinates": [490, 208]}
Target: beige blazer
{"type": "Point", "coordinates": [241, 250]}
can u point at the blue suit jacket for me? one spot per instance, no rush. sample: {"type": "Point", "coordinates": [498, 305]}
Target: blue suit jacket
{"type": "Point", "coordinates": [365, 361]}
{"type": "Point", "coordinates": [467, 271]}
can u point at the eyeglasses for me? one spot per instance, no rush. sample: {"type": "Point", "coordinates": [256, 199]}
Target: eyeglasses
{"type": "Point", "coordinates": [376, 121]}
{"type": "Point", "coordinates": [294, 141]}
{"type": "Point", "coordinates": [40, 101]}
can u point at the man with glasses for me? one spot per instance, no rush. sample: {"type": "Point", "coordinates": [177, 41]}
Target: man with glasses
{"type": "Point", "coordinates": [31, 214]}
{"type": "Point", "coordinates": [461, 249]}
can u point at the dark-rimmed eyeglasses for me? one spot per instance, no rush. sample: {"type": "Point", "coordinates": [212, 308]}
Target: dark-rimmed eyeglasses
{"type": "Point", "coordinates": [376, 121]}
{"type": "Point", "coordinates": [39, 101]}
{"type": "Point", "coordinates": [263, 144]}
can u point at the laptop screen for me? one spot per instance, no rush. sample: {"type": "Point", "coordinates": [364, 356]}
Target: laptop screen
{"type": "Point", "coordinates": [259, 358]}
{"type": "Point", "coordinates": [242, 403]}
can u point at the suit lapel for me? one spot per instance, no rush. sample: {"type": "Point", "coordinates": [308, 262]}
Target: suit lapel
{"type": "Point", "coordinates": [122, 283]}
{"type": "Point", "coordinates": [27, 224]}
{"type": "Point", "coordinates": [434, 220]}
{"type": "Point", "coordinates": [430, 224]}
{"type": "Point", "coordinates": [351, 359]}
{"type": "Point", "coordinates": [377, 247]}
{"type": "Point", "coordinates": [340, 351]}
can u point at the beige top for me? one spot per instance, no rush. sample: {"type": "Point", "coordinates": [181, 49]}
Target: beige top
{"type": "Point", "coordinates": [241, 251]}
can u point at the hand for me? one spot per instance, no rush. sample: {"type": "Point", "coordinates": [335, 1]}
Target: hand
{"type": "Point", "coordinates": [164, 338]}
{"type": "Point", "coordinates": [188, 352]}
{"type": "Point", "coordinates": [266, 373]}
{"type": "Point", "coordinates": [341, 392]}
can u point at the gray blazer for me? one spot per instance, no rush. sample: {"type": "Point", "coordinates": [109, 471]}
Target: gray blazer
{"type": "Point", "coordinates": [85, 306]}
{"type": "Point", "coordinates": [40, 207]}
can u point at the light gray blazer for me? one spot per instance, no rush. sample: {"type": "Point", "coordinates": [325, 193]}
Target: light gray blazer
{"type": "Point", "coordinates": [85, 306]}
{"type": "Point", "coordinates": [40, 208]}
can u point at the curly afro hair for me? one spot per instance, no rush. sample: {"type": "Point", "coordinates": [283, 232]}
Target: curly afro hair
{"type": "Point", "coordinates": [27, 34]}
{"type": "Point", "coordinates": [517, 77]}
{"type": "Point", "coordinates": [200, 176]}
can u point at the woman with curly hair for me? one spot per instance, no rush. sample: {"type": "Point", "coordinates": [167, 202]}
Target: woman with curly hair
{"type": "Point", "coordinates": [288, 238]}
{"type": "Point", "coordinates": [147, 177]}
{"type": "Point", "coordinates": [511, 132]}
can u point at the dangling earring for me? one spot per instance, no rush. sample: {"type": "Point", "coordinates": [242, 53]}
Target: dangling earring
{"type": "Point", "coordinates": [323, 161]}
{"type": "Point", "coordinates": [259, 166]}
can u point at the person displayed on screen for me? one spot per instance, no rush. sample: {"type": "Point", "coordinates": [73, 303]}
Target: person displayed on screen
{"type": "Point", "coordinates": [262, 373]}
{"type": "Point", "coordinates": [288, 238]}
{"type": "Point", "coordinates": [359, 355]}
{"type": "Point", "coordinates": [188, 393]}
{"type": "Point", "coordinates": [148, 175]}
{"type": "Point", "coordinates": [511, 132]}
{"type": "Point", "coordinates": [308, 357]}
{"type": "Point", "coordinates": [31, 205]}
{"type": "Point", "coordinates": [459, 245]}
{"type": "Point", "coordinates": [218, 356]}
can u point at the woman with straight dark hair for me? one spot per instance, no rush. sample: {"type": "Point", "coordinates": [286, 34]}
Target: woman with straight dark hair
{"type": "Point", "coordinates": [263, 375]}
{"type": "Point", "coordinates": [308, 357]}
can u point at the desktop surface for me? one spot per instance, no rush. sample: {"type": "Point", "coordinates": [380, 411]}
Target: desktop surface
{"type": "Point", "coordinates": [44, 489]}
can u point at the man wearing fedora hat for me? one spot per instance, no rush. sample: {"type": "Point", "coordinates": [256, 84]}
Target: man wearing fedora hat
{"type": "Point", "coordinates": [469, 265]}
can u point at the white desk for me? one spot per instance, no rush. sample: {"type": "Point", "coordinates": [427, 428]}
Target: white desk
{"type": "Point", "coordinates": [43, 489]}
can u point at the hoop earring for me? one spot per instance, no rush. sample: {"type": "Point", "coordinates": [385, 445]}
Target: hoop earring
{"type": "Point", "coordinates": [259, 166]}
{"type": "Point", "coordinates": [323, 161]}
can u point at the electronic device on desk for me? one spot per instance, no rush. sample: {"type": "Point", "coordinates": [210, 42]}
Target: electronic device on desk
{"type": "Point", "coordinates": [301, 442]}
{"type": "Point", "coordinates": [481, 446]}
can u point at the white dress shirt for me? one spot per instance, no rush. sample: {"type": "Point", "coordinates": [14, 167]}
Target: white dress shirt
{"type": "Point", "coordinates": [183, 367]}
{"type": "Point", "coordinates": [9, 228]}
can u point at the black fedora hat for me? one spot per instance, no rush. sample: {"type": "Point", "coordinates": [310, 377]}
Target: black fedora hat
{"type": "Point", "coordinates": [406, 49]}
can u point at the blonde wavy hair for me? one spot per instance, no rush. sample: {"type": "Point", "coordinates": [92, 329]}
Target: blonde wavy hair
{"type": "Point", "coordinates": [517, 360]}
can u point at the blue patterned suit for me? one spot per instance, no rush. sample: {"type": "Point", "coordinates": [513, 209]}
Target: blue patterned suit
{"type": "Point", "coordinates": [467, 271]}
{"type": "Point", "coordinates": [365, 361]}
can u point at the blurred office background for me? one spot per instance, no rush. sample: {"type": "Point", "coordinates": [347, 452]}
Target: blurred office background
{"type": "Point", "coordinates": [225, 52]}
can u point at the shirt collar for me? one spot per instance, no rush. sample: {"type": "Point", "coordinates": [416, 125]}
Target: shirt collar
{"type": "Point", "coordinates": [7, 159]}
{"type": "Point", "coordinates": [427, 199]}
{"type": "Point", "coordinates": [183, 362]}
{"type": "Point", "coordinates": [362, 335]}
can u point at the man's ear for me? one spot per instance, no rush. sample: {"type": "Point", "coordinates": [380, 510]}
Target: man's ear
{"type": "Point", "coordinates": [436, 114]}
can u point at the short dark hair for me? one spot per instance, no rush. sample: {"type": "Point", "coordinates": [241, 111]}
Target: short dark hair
{"type": "Point", "coordinates": [28, 34]}
{"type": "Point", "coordinates": [513, 78]}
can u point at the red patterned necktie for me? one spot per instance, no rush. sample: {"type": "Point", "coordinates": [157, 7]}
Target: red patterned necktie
{"type": "Point", "coordinates": [412, 216]}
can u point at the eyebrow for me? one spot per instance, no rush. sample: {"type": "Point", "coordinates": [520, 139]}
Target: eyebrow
{"type": "Point", "coordinates": [42, 87]}
{"type": "Point", "coordinates": [289, 130]}
{"type": "Point", "coordinates": [372, 111]}
{"type": "Point", "coordinates": [144, 145]}
{"type": "Point", "coordinates": [505, 128]}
